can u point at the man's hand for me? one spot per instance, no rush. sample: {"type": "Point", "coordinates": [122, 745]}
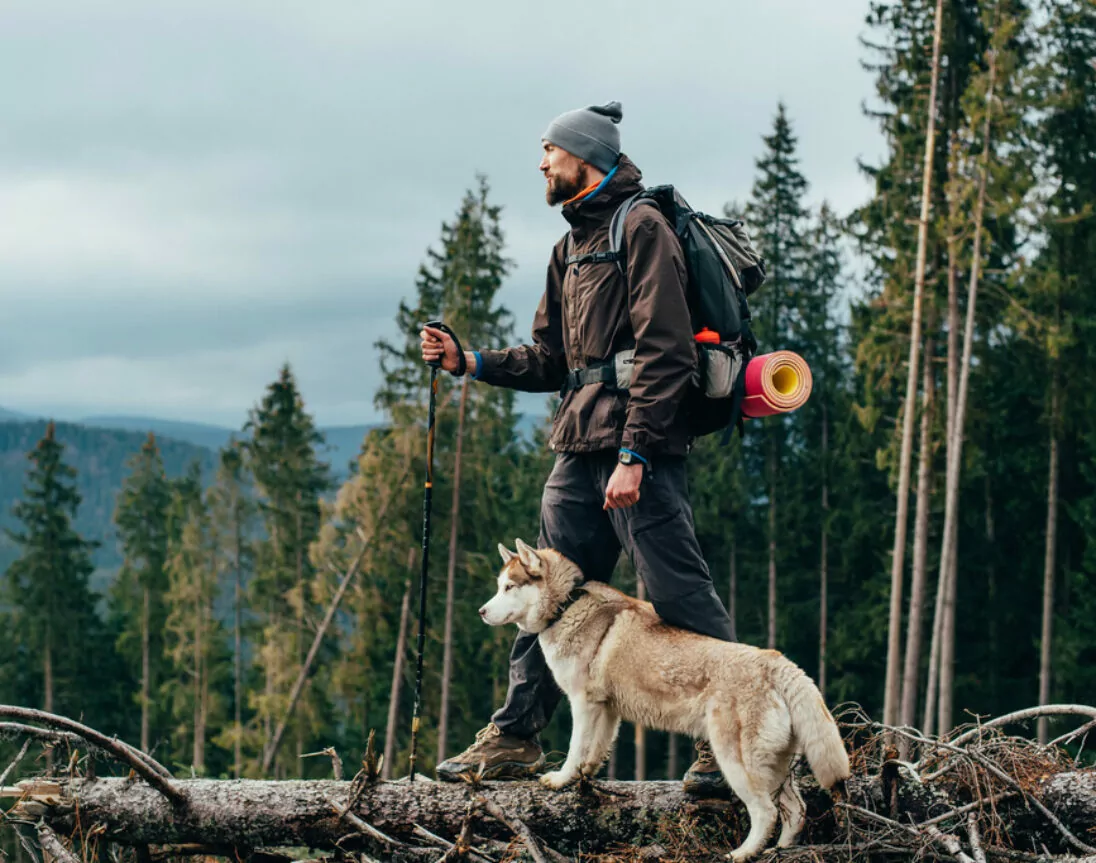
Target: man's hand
{"type": "Point", "coordinates": [437, 345]}
{"type": "Point", "coordinates": [623, 488]}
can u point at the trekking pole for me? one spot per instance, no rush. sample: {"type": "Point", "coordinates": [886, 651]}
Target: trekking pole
{"type": "Point", "coordinates": [427, 500]}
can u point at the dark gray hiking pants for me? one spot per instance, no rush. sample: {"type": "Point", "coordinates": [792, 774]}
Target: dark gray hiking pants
{"type": "Point", "coordinates": [658, 535]}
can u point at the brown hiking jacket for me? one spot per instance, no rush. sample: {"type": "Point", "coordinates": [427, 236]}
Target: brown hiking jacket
{"type": "Point", "coordinates": [590, 311]}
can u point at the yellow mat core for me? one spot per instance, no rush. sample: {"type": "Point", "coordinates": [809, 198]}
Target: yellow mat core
{"type": "Point", "coordinates": [785, 380]}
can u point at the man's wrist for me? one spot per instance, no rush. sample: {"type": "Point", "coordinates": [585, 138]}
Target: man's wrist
{"type": "Point", "coordinates": [628, 456]}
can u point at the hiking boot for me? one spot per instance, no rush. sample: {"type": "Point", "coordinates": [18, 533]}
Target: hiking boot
{"type": "Point", "coordinates": [501, 756]}
{"type": "Point", "coordinates": [704, 778]}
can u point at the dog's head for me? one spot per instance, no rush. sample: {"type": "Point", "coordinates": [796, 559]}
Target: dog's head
{"type": "Point", "coordinates": [532, 585]}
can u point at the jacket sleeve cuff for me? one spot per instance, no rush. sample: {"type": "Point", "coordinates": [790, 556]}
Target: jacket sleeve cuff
{"type": "Point", "coordinates": [486, 364]}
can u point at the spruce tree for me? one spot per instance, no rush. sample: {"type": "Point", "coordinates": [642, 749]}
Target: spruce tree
{"type": "Point", "coordinates": [289, 479]}
{"type": "Point", "coordinates": [194, 637]}
{"type": "Point", "coordinates": [777, 219]}
{"type": "Point", "coordinates": [52, 607]}
{"type": "Point", "coordinates": [141, 518]}
{"type": "Point", "coordinates": [232, 516]}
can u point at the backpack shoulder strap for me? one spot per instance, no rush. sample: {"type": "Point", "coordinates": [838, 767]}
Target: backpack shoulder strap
{"type": "Point", "coordinates": [616, 225]}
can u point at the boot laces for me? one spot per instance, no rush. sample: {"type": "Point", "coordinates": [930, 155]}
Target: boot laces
{"type": "Point", "coordinates": [489, 733]}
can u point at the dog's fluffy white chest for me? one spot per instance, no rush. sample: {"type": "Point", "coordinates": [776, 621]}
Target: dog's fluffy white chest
{"type": "Point", "coordinates": [570, 672]}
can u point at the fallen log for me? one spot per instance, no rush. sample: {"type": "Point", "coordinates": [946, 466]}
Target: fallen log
{"type": "Point", "coordinates": [981, 796]}
{"type": "Point", "coordinates": [391, 816]}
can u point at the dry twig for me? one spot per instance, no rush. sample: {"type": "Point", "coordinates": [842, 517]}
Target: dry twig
{"type": "Point", "coordinates": [154, 773]}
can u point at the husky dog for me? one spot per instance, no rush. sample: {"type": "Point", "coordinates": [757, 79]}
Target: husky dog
{"type": "Point", "coordinates": [615, 659]}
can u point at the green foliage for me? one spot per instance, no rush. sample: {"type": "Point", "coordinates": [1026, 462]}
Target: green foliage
{"type": "Point", "coordinates": [241, 571]}
{"type": "Point", "coordinates": [50, 609]}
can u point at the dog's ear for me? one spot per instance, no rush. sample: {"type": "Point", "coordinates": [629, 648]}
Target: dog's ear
{"type": "Point", "coordinates": [507, 555]}
{"type": "Point", "coordinates": [529, 558]}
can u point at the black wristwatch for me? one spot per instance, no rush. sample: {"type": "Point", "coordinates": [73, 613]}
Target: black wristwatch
{"type": "Point", "coordinates": [626, 456]}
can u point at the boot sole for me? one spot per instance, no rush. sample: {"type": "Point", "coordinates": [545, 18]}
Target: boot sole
{"type": "Point", "coordinates": [504, 770]}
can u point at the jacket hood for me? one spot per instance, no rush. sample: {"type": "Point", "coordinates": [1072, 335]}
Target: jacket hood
{"type": "Point", "coordinates": [623, 184]}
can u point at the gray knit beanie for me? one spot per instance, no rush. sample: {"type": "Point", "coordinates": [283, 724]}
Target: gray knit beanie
{"type": "Point", "coordinates": [589, 133]}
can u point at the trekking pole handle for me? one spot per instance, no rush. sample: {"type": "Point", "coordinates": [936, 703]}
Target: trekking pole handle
{"type": "Point", "coordinates": [462, 360]}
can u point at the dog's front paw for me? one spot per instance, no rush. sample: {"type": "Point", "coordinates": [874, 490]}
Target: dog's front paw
{"type": "Point", "coordinates": [556, 780]}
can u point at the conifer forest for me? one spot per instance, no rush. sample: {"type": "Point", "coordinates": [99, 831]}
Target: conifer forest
{"type": "Point", "coordinates": [920, 537]}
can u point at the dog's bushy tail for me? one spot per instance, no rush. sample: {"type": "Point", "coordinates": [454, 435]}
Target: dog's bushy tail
{"type": "Point", "coordinates": [814, 729]}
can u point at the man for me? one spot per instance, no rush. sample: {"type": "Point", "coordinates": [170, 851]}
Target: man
{"type": "Point", "coordinates": [619, 476]}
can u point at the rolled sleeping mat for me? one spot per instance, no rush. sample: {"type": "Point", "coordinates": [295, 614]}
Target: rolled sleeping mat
{"type": "Point", "coordinates": [776, 383]}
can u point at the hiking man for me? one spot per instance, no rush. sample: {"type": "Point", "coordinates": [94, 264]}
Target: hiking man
{"type": "Point", "coordinates": [619, 476]}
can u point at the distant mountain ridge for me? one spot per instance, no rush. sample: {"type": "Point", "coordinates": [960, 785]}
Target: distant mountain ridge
{"type": "Point", "coordinates": [99, 457]}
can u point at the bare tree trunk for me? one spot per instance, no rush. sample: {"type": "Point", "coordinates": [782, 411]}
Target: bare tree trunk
{"type": "Point", "coordinates": [640, 731]}
{"type": "Point", "coordinates": [196, 753]}
{"type": "Point", "coordinates": [672, 745]}
{"type": "Point", "coordinates": [1048, 560]}
{"type": "Point", "coordinates": [955, 450]}
{"type": "Point", "coordinates": [891, 689]}
{"type": "Point", "coordinates": [772, 537]}
{"type": "Point", "coordinates": [991, 580]}
{"type": "Point", "coordinates": [145, 669]}
{"type": "Point", "coordinates": [914, 624]}
{"type": "Point", "coordinates": [732, 594]}
{"type": "Point", "coordinates": [300, 613]}
{"type": "Point", "coordinates": [47, 669]}
{"type": "Point", "coordinates": [450, 579]}
{"type": "Point", "coordinates": [397, 678]}
{"type": "Point", "coordinates": [932, 686]}
{"type": "Point", "coordinates": [823, 564]}
{"type": "Point", "coordinates": [237, 663]}
{"type": "Point", "coordinates": [268, 690]}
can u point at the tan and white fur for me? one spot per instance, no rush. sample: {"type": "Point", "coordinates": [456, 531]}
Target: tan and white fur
{"type": "Point", "coordinates": [616, 660]}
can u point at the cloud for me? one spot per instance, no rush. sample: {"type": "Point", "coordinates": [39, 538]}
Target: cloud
{"type": "Point", "coordinates": [194, 193]}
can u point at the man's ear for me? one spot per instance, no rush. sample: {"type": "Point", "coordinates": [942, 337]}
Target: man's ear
{"type": "Point", "coordinates": [507, 555]}
{"type": "Point", "coordinates": [529, 558]}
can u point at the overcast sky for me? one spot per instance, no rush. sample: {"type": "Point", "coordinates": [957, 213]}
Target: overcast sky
{"type": "Point", "coordinates": [192, 193]}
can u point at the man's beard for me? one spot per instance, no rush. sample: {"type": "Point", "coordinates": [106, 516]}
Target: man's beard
{"type": "Point", "coordinates": [560, 188]}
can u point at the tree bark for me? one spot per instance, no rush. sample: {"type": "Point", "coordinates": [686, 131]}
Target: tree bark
{"type": "Point", "coordinates": [892, 683]}
{"type": "Point", "coordinates": [197, 755]}
{"type": "Point", "coordinates": [47, 670]}
{"type": "Point", "coordinates": [948, 570]}
{"type": "Point", "coordinates": [823, 564]}
{"type": "Point", "coordinates": [1048, 560]}
{"type": "Point", "coordinates": [397, 678]}
{"type": "Point", "coordinates": [911, 672]}
{"type": "Point", "coordinates": [732, 589]}
{"type": "Point", "coordinates": [640, 732]}
{"type": "Point", "coordinates": [772, 535]}
{"type": "Point", "coordinates": [246, 814]}
{"type": "Point", "coordinates": [237, 632]}
{"type": "Point", "coordinates": [300, 615]}
{"type": "Point", "coordinates": [145, 668]}
{"type": "Point", "coordinates": [932, 686]}
{"type": "Point", "coordinates": [450, 579]}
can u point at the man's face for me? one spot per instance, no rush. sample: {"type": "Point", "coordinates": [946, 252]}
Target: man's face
{"type": "Point", "coordinates": [565, 173]}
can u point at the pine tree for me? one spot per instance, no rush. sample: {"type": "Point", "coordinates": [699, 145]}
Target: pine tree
{"type": "Point", "coordinates": [232, 514]}
{"type": "Point", "coordinates": [138, 596]}
{"type": "Point", "coordinates": [777, 218]}
{"type": "Point", "coordinates": [51, 604]}
{"type": "Point", "coordinates": [194, 637]}
{"type": "Point", "coordinates": [289, 478]}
